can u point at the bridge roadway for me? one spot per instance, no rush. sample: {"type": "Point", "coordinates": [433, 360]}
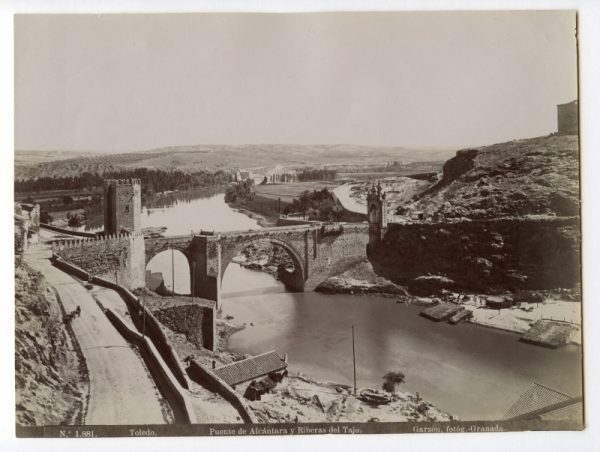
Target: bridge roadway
{"type": "Point", "coordinates": [121, 389]}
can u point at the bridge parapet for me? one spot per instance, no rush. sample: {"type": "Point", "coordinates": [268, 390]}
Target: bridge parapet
{"type": "Point", "coordinates": [80, 242]}
{"type": "Point", "coordinates": [117, 257]}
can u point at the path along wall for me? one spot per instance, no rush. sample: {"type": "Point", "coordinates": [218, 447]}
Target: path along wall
{"type": "Point", "coordinates": [489, 256]}
{"type": "Point", "coordinates": [117, 258]}
{"type": "Point", "coordinates": [168, 385]}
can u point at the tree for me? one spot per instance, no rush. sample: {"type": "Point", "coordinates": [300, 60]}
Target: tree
{"type": "Point", "coordinates": [391, 380]}
{"type": "Point", "coordinates": [74, 220]}
{"type": "Point", "coordinates": [45, 217]}
{"type": "Point", "coordinates": [337, 212]}
{"type": "Point", "coordinates": [67, 200]}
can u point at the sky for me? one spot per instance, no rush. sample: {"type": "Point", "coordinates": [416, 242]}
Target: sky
{"type": "Point", "coordinates": [127, 82]}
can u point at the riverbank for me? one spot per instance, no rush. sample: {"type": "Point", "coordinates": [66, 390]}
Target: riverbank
{"type": "Point", "coordinates": [298, 398]}
{"type": "Point", "coordinates": [518, 319]}
{"type": "Point", "coordinates": [559, 305]}
{"type": "Point", "coordinates": [264, 210]}
{"type": "Point", "coordinates": [262, 221]}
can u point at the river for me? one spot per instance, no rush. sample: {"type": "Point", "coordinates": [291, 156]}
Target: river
{"type": "Point", "coordinates": [470, 371]}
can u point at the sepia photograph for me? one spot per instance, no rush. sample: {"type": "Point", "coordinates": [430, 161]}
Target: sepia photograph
{"type": "Point", "coordinates": [232, 224]}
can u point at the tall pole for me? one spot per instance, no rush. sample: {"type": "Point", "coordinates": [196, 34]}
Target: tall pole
{"type": "Point", "coordinates": [354, 360]}
{"type": "Point", "coordinates": [193, 278]}
{"type": "Point", "coordinates": [144, 314]}
{"type": "Point", "coordinates": [172, 273]}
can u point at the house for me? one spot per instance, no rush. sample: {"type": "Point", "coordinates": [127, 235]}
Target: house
{"type": "Point", "coordinates": [27, 225]}
{"type": "Point", "coordinates": [240, 374]}
{"type": "Point", "coordinates": [540, 402]}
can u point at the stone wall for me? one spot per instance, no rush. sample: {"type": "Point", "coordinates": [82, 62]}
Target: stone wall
{"type": "Point", "coordinates": [489, 256]}
{"type": "Point", "coordinates": [118, 258]}
{"type": "Point", "coordinates": [338, 248]}
{"type": "Point", "coordinates": [193, 320]}
{"type": "Point", "coordinates": [167, 383]}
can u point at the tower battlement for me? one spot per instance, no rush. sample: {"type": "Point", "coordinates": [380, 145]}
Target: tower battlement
{"type": "Point", "coordinates": [130, 181]}
{"type": "Point", "coordinates": [122, 206]}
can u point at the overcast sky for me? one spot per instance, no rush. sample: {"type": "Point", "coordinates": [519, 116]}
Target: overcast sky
{"type": "Point", "coordinates": [135, 82]}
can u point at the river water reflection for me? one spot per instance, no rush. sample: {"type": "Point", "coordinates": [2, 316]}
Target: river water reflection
{"type": "Point", "coordinates": [470, 371]}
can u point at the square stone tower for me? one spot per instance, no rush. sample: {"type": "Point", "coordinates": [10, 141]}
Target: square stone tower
{"type": "Point", "coordinates": [568, 118]}
{"type": "Point", "coordinates": [122, 206]}
{"type": "Point", "coordinates": [376, 215]}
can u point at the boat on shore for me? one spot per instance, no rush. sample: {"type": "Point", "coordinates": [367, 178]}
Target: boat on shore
{"type": "Point", "coordinates": [374, 397]}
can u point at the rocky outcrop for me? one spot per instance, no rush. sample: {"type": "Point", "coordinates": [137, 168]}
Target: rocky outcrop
{"type": "Point", "coordinates": [536, 176]}
{"type": "Point", "coordinates": [360, 279]}
{"type": "Point", "coordinates": [487, 256]}
{"type": "Point", "coordinates": [50, 373]}
{"type": "Point", "coordinates": [453, 169]}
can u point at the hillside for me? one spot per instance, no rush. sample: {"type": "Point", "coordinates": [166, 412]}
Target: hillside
{"type": "Point", "coordinates": [214, 157]}
{"type": "Point", "coordinates": [51, 378]}
{"type": "Point", "coordinates": [537, 176]}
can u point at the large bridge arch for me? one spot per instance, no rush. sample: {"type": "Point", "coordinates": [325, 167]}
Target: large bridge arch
{"type": "Point", "coordinates": [158, 245]}
{"type": "Point", "coordinates": [293, 281]}
{"type": "Point", "coordinates": [154, 249]}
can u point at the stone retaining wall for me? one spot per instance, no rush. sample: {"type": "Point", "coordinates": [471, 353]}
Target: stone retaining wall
{"type": "Point", "coordinates": [167, 384]}
{"type": "Point", "coordinates": [152, 327]}
{"type": "Point", "coordinates": [212, 382]}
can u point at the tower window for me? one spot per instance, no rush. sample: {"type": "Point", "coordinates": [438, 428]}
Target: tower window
{"type": "Point", "coordinates": [126, 208]}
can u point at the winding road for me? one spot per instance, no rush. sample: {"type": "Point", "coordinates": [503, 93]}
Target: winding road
{"type": "Point", "coordinates": [121, 389]}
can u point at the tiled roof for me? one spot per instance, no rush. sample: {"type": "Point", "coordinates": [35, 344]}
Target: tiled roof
{"type": "Point", "coordinates": [574, 411]}
{"type": "Point", "coordinates": [251, 368]}
{"type": "Point", "coordinates": [535, 398]}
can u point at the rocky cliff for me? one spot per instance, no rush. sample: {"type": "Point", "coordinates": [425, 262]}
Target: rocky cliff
{"type": "Point", "coordinates": [50, 373]}
{"type": "Point", "coordinates": [487, 256]}
{"type": "Point", "coordinates": [536, 176]}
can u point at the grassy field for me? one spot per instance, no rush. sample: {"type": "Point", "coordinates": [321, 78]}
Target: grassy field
{"type": "Point", "coordinates": [287, 192]}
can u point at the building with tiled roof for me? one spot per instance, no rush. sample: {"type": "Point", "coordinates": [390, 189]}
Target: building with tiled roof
{"type": "Point", "coordinates": [544, 403]}
{"type": "Point", "coordinates": [250, 369]}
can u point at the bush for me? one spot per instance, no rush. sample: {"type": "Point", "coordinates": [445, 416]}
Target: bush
{"type": "Point", "coordinates": [74, 220]}
{"type": "Point", "coordinates": [391, 380]}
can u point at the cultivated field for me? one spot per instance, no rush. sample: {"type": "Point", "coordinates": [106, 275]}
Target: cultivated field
{"type": "Point", "coordinates": [287, 192]}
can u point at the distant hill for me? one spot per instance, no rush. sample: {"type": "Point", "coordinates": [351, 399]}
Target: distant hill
{"type": "Point", "coordinates": [214, 157]}
{"type": "Point", "coordinates": [537, 176]}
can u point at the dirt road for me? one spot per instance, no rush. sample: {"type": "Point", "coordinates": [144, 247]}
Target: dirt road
{"type": "Point", "coordinates": [121, 390]}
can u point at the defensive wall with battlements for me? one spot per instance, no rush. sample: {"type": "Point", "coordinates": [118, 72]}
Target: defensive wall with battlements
{"type": "Point", "coordinates": [118, 258]}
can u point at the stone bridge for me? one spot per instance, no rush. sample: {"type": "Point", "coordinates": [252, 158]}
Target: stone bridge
{"type": "Point", "coordinates": [317, 252]}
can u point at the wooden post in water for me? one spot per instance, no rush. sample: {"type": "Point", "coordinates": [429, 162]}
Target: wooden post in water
{"type": "Point", "coordinates": [354, 360]}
